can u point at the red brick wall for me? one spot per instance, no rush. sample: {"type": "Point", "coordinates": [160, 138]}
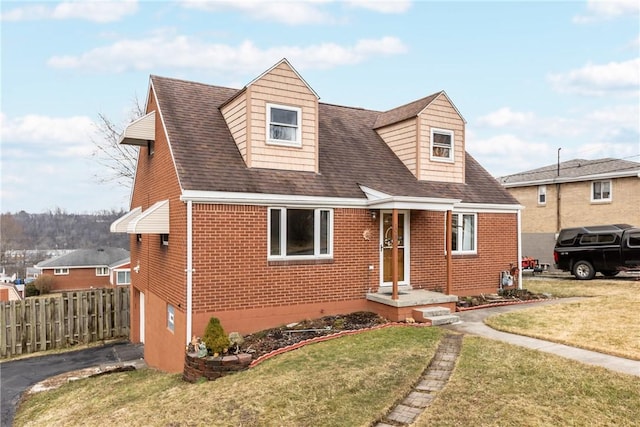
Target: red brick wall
{"type": "Point", "coordinates": [161, 275]}
{"type": "Point", "coordinates": [78, 278]}
{"type": "Point", "coordinates": [232, 271]}
{"type": "Point", "coordinates": [472, 274]}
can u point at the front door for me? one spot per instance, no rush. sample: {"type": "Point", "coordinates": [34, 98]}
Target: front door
{"type": "Point", "coordinates": [386, 232]}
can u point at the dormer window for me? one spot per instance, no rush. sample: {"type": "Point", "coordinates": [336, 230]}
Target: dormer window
{"type": "Point", "coordinates": [283, 125]}
{"type": "Point", "coordinates": [441, 145]}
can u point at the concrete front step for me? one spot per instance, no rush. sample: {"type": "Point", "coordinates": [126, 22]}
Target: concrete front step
{"type": "Point", "coordinates": [434, 316]}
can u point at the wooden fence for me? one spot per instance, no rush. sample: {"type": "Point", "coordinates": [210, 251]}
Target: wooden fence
{"type": "Point", "coordinates": [43, 323]}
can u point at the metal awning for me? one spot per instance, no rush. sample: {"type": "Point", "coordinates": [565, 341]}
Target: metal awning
{"type": "Point", "coordinates": [154, 220]}
{"type": "Point", "coordinates": [120, 224]}
{"type": "Point", "coordinates": [140, 131]}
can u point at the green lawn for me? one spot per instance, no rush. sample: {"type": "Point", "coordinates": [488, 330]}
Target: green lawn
{"type": "Point", "coordinates": [354, 380]}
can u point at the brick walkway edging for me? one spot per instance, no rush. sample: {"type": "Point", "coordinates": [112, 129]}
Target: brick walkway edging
{"type": "Point", "coordinates": [433, 379]}
{"type": "Point", "coordinates": [499, 304]}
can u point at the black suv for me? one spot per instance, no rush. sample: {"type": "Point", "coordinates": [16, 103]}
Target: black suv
{"type": "Point", "coordinates": [607, 249]}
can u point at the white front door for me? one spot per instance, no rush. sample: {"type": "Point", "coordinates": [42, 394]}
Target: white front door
{"type": "Point", "coordinates": [386, 246]}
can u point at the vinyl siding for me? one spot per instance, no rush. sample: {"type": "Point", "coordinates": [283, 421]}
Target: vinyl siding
{"type": "Point", "coordinates": [441, 114]}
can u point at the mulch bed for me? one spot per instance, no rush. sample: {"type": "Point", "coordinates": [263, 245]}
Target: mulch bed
{"type": "Point", "coordinates": [266, 341]}
{"type": "Point", "coordinates": [505, 297]}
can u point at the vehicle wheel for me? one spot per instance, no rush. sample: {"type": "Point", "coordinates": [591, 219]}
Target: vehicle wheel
{"type": "Point", "coordinates": [610, 273]}
{"type": "Point", "coordinates": [583, 270]}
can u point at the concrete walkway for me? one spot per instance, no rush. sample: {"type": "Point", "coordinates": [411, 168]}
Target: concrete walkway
{"type": "Point", "coordinates": [440, 368]}
{"type": "Point", "coordinates": [472, 323]}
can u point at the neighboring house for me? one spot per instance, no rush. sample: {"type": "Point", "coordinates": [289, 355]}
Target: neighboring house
{"type": "Point", "coordinates": [4, 278]}
{"type": "Point", "coordinates": [88, 269]}
{"type": "Point", "coordinates": [263, 206]}
{"type": "Point", "coordinates": [572, 194]}
{"type": "Point", "coordinates": [9, 292]}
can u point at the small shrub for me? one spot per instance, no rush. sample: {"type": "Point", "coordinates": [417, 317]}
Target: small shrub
{"type": "Point", "coordinates": [30, 290]}
{"type": "Point", "coordinates": [44, 283]}
{"type": "Point", "coordinates": [214, 337]}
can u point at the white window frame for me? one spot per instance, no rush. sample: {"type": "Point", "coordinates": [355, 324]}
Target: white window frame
{"type": "Point", "coordinates": [601, 199]}
{"type": "Point", "coordinates": [171, 318]}
{"type": "Point", "coordinates": [542, 193]}
{"type": "Point", "coordinates": [289, 143]}
{"type": "Point", "coordinates": [461, 216]}
{"type": "Point", "coordinates": [60, 271]}
{"type": "Point", "coordinates": [102, 271]}
{"type": "Point", "coordinates": [125, 272]}
{"type": "Point", "coordinates": [316, 235]}
{"type": "Point", "coordinates": [451, 157]}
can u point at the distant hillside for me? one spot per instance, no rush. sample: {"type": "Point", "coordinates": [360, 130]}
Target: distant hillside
{"type": "Point", "coordinates": [55, 230]}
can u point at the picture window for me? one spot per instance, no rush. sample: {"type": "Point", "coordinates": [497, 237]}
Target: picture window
{"type": "Point", "coordinates": [300, 233]}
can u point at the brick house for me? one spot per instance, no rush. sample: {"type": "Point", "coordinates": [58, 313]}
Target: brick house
{"type": "Point", "coordinates": [263, 206]}
{"type": "Point", "coordinates": [574, 193]}
{"type": "Point", "coordinates": [88, 268]}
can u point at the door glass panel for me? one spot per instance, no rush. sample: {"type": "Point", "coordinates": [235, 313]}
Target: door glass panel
{"type": "Point", "coordinates": [387, 247]}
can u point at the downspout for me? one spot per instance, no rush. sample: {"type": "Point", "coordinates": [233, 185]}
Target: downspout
{"type": "Point", "coordinates": [519, 262]}
{"type": "Point", "coordinates": [189, 269]}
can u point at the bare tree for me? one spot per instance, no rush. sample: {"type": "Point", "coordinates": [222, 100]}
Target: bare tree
{"type": "Point", "coordinates": [119, 161]}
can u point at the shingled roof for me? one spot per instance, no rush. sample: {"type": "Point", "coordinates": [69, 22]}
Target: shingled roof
{"type": "Point", "coordinates": [107, 257]}
{"type": "Point", "coordinates": [351, 154]}
{"type": "Point", "coordinates": [574, 170]}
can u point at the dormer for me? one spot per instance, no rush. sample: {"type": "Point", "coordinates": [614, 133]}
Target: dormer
{"type": "Point", "coordinates": [428, 135]}
{"type": "Point", "coordinates": [274, 121]}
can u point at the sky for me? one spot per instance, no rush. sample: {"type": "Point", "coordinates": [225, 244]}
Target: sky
{"type": "Point", "coordinates": [531, 79]}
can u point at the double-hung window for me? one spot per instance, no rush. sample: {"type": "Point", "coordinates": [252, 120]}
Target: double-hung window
{"type": "Point", "coordinates": [542, 194]}
{"type": "Point", "coordinates": [463, 233]}
{"type": "Point", "coordinates": [123, 277]}
{"type": "Point", "coordinates": [283, 125]}
{"type": "Point", "coordinates": [601, 191]}
{"type": "Point", "coordinates": [102, 271]}
{"type": "Point", "coordinates": [442, 145]}
{"type": "Point", "coordinates": [298, 233]}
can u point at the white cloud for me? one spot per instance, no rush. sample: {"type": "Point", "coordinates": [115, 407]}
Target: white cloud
{"type": "Point", "coordinates": [294, 12]}
{"type": "Point", "coordinates": [288, 12]}
{"type": "Point", "coordinates": [95, 11]}
{"type": "Point", "coordinates": [382, 6]}
{"type": "Point", "coordinates": [599, 10]}
{"type": "Point", "coordinates": [506, 117]}
{"type": "Point", "coordinates": [621, 78]}
{"type": "Point", "coordinates": [192, 53]}
{"type": "Point", "coordinates": [40, 129]}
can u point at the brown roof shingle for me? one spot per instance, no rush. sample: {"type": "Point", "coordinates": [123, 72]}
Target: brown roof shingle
{"type": "Point", "coordinates": [351, 153]}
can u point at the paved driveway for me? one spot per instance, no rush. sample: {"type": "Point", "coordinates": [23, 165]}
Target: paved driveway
{"type": "Point", "coordinates": [16, 376]}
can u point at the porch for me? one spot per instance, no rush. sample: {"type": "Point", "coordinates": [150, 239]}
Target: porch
{"type": "Point", "coordinates": [411, 303]}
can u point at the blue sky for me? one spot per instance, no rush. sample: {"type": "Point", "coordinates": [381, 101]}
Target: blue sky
{"type": "Point", "coordinates": [528, 77]}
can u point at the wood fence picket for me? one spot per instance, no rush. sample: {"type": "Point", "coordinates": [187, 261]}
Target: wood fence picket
{"type": "Point", "coordinates": [49, 322]}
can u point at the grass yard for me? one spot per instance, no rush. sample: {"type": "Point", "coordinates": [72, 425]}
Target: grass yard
{"type": "Point", "coordinates": [348, 381]}
{"type": "Point", "coordinates": [606, 322]}
{"type": "Point", "coordinates": [354, 380]}
{"type": "Point", "coordinates": [498, 384]}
